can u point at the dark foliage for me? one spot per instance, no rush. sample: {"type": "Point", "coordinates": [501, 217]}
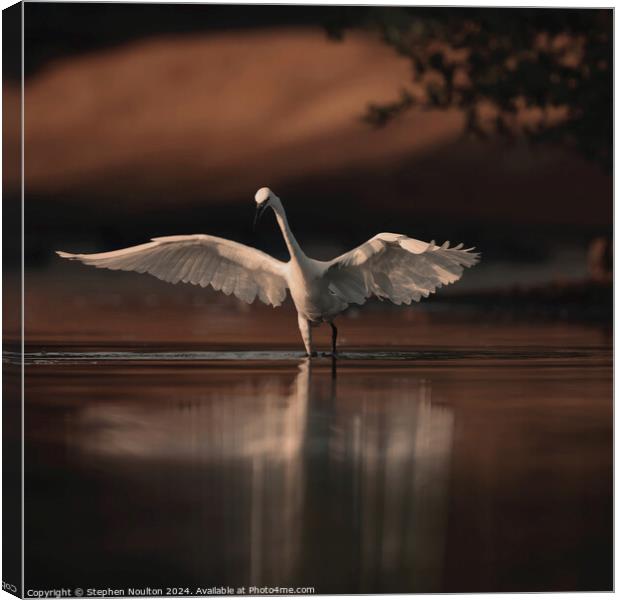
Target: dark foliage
{"type": "Point", "coordinates": [555, 66]}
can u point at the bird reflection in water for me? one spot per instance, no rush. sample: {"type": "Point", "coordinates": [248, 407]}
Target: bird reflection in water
{"type": "Point", "coordinates": [339, 482]}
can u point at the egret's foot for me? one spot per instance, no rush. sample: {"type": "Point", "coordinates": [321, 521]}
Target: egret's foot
{"type": "Point", "coordinates": [312, 354]}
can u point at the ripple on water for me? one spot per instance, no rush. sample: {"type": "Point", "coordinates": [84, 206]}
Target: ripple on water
{"type": "Point", "coordinates": [453, 354]}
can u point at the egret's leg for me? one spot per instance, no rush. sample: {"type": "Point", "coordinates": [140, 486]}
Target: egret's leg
{"type": "Point", "coordinates": [306, 334]}
{"type": "Point", "coordinates": [334, 337]}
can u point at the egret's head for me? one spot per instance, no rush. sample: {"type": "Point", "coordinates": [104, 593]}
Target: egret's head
{"type": "Point", "coordinates": [263, 195]}
{"type": "Point", "coordinates": [263, 198]}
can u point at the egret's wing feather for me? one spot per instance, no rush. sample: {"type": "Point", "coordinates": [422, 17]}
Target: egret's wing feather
{"type": "Point", "coordinates": [201, 260]}
{"type": "Point", "coordinates": [397, 268]}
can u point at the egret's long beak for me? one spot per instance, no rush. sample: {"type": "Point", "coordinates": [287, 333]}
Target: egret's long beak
{"type": "Point", "coordinates": [260, 209]}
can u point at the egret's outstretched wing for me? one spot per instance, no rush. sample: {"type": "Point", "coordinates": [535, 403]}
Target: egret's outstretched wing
{"type": "Point", "coordinates": [202, 260]}
{"type": "Point", "coordinates": [396, 267]}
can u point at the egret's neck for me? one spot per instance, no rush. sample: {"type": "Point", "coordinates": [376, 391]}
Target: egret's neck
{"type": "Point", "coordinates": [291, 243]}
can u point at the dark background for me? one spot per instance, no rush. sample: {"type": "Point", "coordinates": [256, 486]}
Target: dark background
{"type": "Point", "coordinates": [148, 120]}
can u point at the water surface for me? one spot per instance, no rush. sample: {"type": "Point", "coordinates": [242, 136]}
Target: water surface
{"type": "Point", "coordinates": [431, 469]}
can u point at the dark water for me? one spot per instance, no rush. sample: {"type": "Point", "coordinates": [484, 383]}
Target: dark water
{"type": "Point", "coordinates": [447, 470]}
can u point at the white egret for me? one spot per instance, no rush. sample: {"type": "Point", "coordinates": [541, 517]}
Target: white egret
{"type": "Point", "coordinates": [389, 266]}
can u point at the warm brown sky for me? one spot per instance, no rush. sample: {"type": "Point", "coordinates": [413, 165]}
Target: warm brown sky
{"type": "Point", "coordinates": [213, 117]}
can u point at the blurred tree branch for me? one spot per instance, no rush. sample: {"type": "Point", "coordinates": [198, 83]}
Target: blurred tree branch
{"type": "Point", "coordinates": [545, 74]}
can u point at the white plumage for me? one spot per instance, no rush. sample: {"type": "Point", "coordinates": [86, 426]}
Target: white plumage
{"type": "Point", "coordinates": [202, 260]}
{"type": "Point", "coordinates": [389, 266]}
